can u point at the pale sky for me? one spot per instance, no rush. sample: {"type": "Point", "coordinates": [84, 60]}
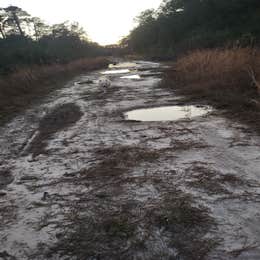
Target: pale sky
{"type": "Point", "coordinates": [105, 21]}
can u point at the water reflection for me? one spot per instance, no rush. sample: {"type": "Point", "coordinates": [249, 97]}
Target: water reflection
{"type": "Point", "coordinates": [123, 71]}
{"type": "Point", "coordinates": [122, 65]}
{"type": "Point", "coordinates": [168, 113]}
{"type": "Point", "coordinates": [131, 77]}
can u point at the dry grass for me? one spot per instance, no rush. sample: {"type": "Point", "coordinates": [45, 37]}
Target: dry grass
{"type": "Point", "coordinates": [230, 75]}
{"type": "Point", "coordinates": [25, 85]}
{"type": "Point", "coordinates": [117, 160]}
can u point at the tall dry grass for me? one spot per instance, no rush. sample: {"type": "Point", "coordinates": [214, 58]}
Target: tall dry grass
{"type": "Point", "coordinates": [225, 75]}
{"type": "Point", "coordinates": [23, 86]}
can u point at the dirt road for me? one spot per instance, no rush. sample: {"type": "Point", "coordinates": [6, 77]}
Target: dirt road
{"type": "Point", "coordinates": [78, 181]}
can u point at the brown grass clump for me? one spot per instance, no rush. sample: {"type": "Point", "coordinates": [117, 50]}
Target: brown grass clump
{"type": "Point", "coordinates": [188, 225]}
{"type": "Point", "coordinates": [116, 160]}
{"type": "Point", "coordinates": [25, 85]}
{"type": "Point", "coordinates": [229, 76]}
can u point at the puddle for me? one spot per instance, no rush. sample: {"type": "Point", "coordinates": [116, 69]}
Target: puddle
{"type": "Point", "coordinates": [131, 77]}
{"type": "Point", "coordinates": [123, 65]}
{"type": "Point", "coordinates": [126, 67]}
{"type": "Point", "coordinates": [168, 113]}
{"type": "Point", "coordinates": [121, 71]}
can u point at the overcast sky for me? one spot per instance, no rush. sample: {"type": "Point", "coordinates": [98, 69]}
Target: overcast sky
{"type": "Point", "coordinates": [106, 21]}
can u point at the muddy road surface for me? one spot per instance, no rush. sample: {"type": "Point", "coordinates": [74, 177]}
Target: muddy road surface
{"type": "Point", "coordinates": [79, 181]}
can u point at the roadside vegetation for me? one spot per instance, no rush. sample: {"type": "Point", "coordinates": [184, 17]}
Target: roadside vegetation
{"type": "Point", "coordinates": [27, 85]}
{"type": "Point", "coordinates": [36, 58]}
{"type": "Point", "coordinates": [226, 76]}
{"type": "Point", "coordinates": [28, 41]}
{"type": "Point", "coordinates": [178, 26]}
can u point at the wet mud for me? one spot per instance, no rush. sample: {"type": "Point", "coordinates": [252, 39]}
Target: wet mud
{"type": "Point", "coordinates": [5, 178]}
{"type": "Point", "coordinates": [58, 118]}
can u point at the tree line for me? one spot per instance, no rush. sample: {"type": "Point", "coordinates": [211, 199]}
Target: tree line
{"type": "Point", "coordinates": [181, 25]}
{"type": "Point", "coordinates": [28, 40]}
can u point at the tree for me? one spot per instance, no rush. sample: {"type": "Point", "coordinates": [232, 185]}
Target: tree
{"type": "Point", "coordinates": [27, 40]}
{"type": "Point", "coordinates": [146, 17]}
{"type": "Point", "coordinates": [67, 29]}
{"type": "Point", "coordinates": [187, 24]}
{"type": "Point", "coordinates": [39, 27]}
{"type": "Point", "coordinates": [16, 16]}
{"type": "Point", "coordinates": [2, 20]}
{"type": "Point", "coordinates": [76, 30]}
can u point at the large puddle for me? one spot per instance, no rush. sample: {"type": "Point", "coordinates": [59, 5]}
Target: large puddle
{"type": "Point", "coordinates": [168, 113]}
{"type": "Point", "coordinates": [127, 67]}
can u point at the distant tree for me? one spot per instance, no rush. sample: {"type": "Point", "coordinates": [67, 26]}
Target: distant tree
{"type": "Point", "coordinates": [16, 16]}
{"type": "Point", "coordinates": [39, 27]}
{"type": "Point", "coordinates": [187, 24]}
{"type": "Point", "coordinates": [60, 30]}
{"type": "Point", "coordinates": [77, 30]}
{"type": "Point", "coordinates": [146, 17]}
{"type": "Point", "coordinates": [27, 40]}
{"type": "Point", "coordinates": [67, 29]}
{"type": "Point", "coordinates": [3, 17]}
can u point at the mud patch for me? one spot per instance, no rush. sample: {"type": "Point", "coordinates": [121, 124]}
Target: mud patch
{"type": "Point", "coordinates": [103, 235]}
{"type": "Point", "coordinates": [129, 155]}
{"type": "Point", "coordinates": [187, 223]}
{"type": "Point", "coordinates": [109, 222]}
{"type": "Point", "coordinates": [212, 181]}
{"type": "Point", "coordinates": [115, 161]}
{"type": "Point", "coordinates": [58, 119]}
{"type": "Point", "coordinates": [87, 81]}
{"type": "Point", "coordinates": [6, 256]}
{"type": "Point", "coordinates": [8, 214]}
{"type": "Point", "coordinates": [6, 178]}
{"type": "Point", "coordinates": [187, 144]}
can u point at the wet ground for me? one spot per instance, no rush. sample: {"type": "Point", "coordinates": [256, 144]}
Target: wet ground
{"type": "Point", "coordinates": [78, 181]}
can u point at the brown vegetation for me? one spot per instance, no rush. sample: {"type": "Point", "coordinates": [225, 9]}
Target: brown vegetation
{"type": "Point", "coordinates": [25, 85]}
{"type": "Point", "coordinates": [228, 78]}
{"type": "Point", "coordinates": [224, 78]}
